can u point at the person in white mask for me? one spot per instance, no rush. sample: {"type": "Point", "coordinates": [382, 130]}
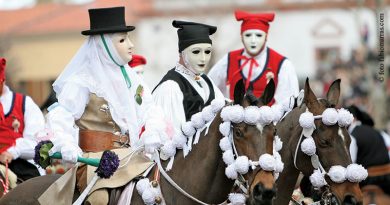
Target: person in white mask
{"type": "Point", "coordinates": [185, 89]}
{"type": "Point", "coordinates": [256, 63]}
{"type": "Point", "coordinates": [102, 103]}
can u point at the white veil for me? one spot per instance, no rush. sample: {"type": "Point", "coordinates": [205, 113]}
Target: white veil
{"type": "Point", "coordinates": [92, 68]}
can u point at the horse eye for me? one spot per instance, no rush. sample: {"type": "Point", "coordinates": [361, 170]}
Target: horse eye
{"type": "Point", "coordinates": [324, 142]}
{"type": "Point", "coordinates": [237, 132]}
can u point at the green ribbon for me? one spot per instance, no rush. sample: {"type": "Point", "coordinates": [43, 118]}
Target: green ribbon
{"type": "Point", "coordinates": [124, 73]}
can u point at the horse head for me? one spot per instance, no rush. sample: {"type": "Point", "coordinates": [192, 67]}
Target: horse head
{"type": "Point", "coordinates": [254, 140]}
{"type": "Point", "coordinates": [330, 156]}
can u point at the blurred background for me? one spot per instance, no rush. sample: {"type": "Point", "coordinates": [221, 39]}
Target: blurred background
{"type": "Point", "coordinates": [324, 39]}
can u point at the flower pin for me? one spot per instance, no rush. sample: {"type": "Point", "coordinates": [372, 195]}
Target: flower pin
{"type": "Point", "coordinates": [139, 94]}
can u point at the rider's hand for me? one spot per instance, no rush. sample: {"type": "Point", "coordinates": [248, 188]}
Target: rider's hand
{"type": "Point", "coordinates": [69, 151]}
{"type": "Point", "coordinates": [6, 157]}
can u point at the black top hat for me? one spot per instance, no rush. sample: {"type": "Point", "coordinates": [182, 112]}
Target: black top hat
{"type": "Point", "coordinates": [362, 116]}
{"type": "Point", "coordinates": [190, 33]}
{"type": "Point", "coordinates": [107, 20]}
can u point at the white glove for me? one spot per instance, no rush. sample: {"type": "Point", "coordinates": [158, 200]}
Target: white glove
{"type": "Point", "coordinates": [70, 152]}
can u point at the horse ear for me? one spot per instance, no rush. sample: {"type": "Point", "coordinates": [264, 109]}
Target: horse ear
{"type": "Point", "coordinates": [334, 93]}
{"type": "Point", "coordinates": [268, 93]}
{"type": "Point", "coordinates": [239, 92]}
{"type": "Point", "coordinates": [310, 98]}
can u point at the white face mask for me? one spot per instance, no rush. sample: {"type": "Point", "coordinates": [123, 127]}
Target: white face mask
{"type": "Point", "coordinates": [197, 57]}
{"type": "Point", "coordinates": [123, 46]}
{"type": "Point", "coordinates": [253, 40]}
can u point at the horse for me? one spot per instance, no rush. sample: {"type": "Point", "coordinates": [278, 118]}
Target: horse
{"type": "Point", "coordinates": [373, 194]}
{"type": "Point", "coordinates": [332, 148]}
{"type": "Point", "coordinates": [202, 172]}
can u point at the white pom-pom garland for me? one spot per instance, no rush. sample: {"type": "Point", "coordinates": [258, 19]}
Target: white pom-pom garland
{"type": "Point", "coordinates": [231, 172]}
{"type": "Point", "coordinates": [236, 114]}
{"type": "Point", "coordinates": [242, 164]}
{"type": "Point", "coordinates": [337, 173]}
{"type": "Point", "coordinates": [356, 173]}
{"type": "Point", "coordinates": [306, 120]}
{"type": "Point", "coordinates": [207, 114]}
{"type": "Point", "coordinates": [251, 115]}
{"type": "Point", "coordinates": [225, 144]}
{"type": "Point", "coordinates": [278, 144]}
{"type": "Point", "coordinates": [237, 199]}
{"type": "Point", "coordinates": [197, 120]}
{"type": "Point", "coordinates": [228, 157]}
{"type": "Point", "coordinates": [266, 115]}
{"type": "Point", "coordinates": [308, 146]}
{"type": "Point", "coordinates": [217, 105]}
{"type": "Point", "coordinates": [224, 128]}
{"type": "Point", "coordinates": [168, 149]}
{"type": "Point", "coordinates": [142, 185]}
{"type": "Point", "coordinates": [179, 140]}
{"type": "Point", "coordinates": [345, 118]}
{"type": "Point", "coordinates": [267, 162]}
{"type": "Point", "coordinates": [188, 129]}
{"type": "Point", "coordinates": [149, 197]}
{"type": "Point", "coordinates": [225, 113]}
{"type": "Point", "coordinates": [317, 179]}
{"type": "Point", "coordinates": [330, 116]}
{"type": "Point", "coordinates": [278, 112]}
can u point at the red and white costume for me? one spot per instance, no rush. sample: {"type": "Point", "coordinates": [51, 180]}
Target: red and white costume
{"type": "Point", "coordinates": [239, 64]}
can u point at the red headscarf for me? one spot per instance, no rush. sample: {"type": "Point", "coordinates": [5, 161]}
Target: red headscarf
{"type": "Point", "coordinates": [137, 60]}
{"type": "Point", "coordinates": [254, 21]}
{"type": "Point", "coordinates": [3, 63]}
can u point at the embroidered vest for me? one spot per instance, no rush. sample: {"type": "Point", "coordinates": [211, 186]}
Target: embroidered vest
{"type": "Point", "coordinates": [97, 116]}
{"type": "Point", "coordinates": [13, 126]}
{"type": "Point", "coordinates": [272, 65]}
{"type": "Point", "coordinates": [192, 101]}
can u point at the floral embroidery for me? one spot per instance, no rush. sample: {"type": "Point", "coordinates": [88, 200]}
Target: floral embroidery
{"type": "Point", "coordinates": [138, 94]}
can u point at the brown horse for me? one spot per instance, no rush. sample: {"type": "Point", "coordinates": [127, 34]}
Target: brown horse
{"type": "Point", "coordinates": [374, 195]}
{"type": "Point", "coordinates": [332, 148]}
{"type": "Point", "coordinates": [202, 172]}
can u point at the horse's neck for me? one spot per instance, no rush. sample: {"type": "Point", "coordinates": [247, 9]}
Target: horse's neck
{"type": "Point", "coordinates": [202, 172]}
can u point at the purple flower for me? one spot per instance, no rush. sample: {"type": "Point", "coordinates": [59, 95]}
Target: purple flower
{"type": "Point", "coordinates": [109, 163]}
{"type": "Point", "coordinates": [42, 160]}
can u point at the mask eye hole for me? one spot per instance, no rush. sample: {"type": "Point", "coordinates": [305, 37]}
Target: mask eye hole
{"type": "Point", "coordinates": [122, 40]}
{"type": "Point", "coordinates": [207, 52]}
{"type": "Point", "coordinates": [248, 35]}
{"type": "Point", "coordinates": [195, 51]}
{"type": "Point", "coordinates": [259, 35]}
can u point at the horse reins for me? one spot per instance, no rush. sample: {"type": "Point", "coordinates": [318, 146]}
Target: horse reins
{"type": "Point", "coordinates": [6, 183]}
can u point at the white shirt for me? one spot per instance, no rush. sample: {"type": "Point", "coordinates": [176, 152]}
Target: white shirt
{"type": "Point", "coordinates": [33, 122]}
{"type": "Point", "coordinates": [170, 98]}
{"type": "Point", "coordinates": [287, 78]}
{"type": "Point", "coordinates": [72, 101]}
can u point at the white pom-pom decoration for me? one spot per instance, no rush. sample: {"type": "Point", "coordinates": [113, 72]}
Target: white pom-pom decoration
{"type": "Point", "coordinates": [224, 128]}
{"type": "Point", "coordinates": [251, 115]}
{"type": "Point", "coordinates": [345, 118]}
{"type": "Point", "coordinates": [179, 140]}
{"type": "Point", "coordinates": [169, 149]}
{"type": "Point", "coordinates": [236, 114]}
{"type": "Point", "coordinates": [188, 129]}
{"type": "Point", "coordinates": [317, 179]}
{"type": "Point", "coordinates": [225, 113]}
{"type": "Point", "coordinates": [228, 157]}
{"type": "Point", "coordinates": [267, 162]}
{"type": "Point", "coordinates": [329, 116]}
{"type": "Point", "coordinates": [237, 199]}
{"type": "Point", "coordinates": [242, 164]}
{"type": "Point", "coordinates": [308, 146]}
{"type": "Point", "coordinates": [151, 140]}
{"type": "Point", "coordinates": [306, 120]}
{"type": "Point", "coordinates": [231, 172]}
{"type": "Point", "coordinates": [279, 166]}
{"type": "Point", "coordinates": [278, 112]}
{"type": "Point", "coordinates": [356, 173]}
{"type": "Point", "coordinates": [207, 113]}
{"type": "Point", "coordinates": [142, 185]}
{"type": "Point", "coordinates": [337, 173]}
{"type": "Point", "coordinates": [225, 144]}
{"type": "Point", "coordinates": [217, 105]}
{"type": "Point", "coordinates": [148, 196]}
{"type": "Point", "coordinates": [266, 115]}
{"type": "Point", "coordinates": [278, 144]}
{"type": "Point", "coordinates": [197, 120]}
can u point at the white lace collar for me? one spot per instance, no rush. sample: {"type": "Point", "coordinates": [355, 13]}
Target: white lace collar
{"type": "Point", "coordinates": [181, 69]}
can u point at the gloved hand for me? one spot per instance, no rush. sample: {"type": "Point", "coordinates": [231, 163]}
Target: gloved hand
{"type": "Point", "coordinates": [70, 152]}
